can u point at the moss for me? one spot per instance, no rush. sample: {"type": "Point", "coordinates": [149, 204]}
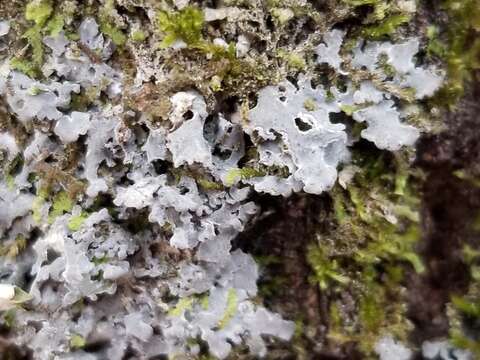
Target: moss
{"type": "Point", "coordinates": [24, 66]}
{"type": "Point", "coordinates": [231, 309]}
{"type": "Point", "coordinates": [466, 176]}
{"type": "Point", "coordinates": [39, 11]}
{"type": "Point", "coordinates": [464, 317]}
{"type": "Point", "coordinates": [349, 109]}
{"type": "Point", "coordinates": [76, 222]}
{"type": "Point", "coordinates": [246, 173]}
{"type": "Point", "coordinates": [115, 33]}
{"type": "Point", "coordinates": [367, 253]}
{"type": "Point", "coordinates": [9, 318]}
{"type": "Point", "coordinates": [209, 185]}
{"type": "Point", "coordinates": [310, 105]}
{"type": "Point", "coordinates": [458, 44]}
{"type": "Point", "coordinates": [293, 59]}
{"type": "Point", "coordinates": [34, 37]}
{"type": "Point", "coordinates": [20, 297]}
{"type": "Point", "coordinates": [384, 19]}
{"type": "Point", "coordinates": [13, 249]}
{"type": "Point", "coordinates": [325, 270]}
{"type": "Point", "coordinates": [42, 196]}
{"type": "Point", "coordinates": [61, 204]}
{"type": "Point", "coordinates": [138, 36]}
{"type": "Point", "coordinates": [387, 27]}
{"type": "Point", "coordinates": [108, 26]}
{"type": "Point", "coordinates": [77, 342]}
{"type": "Point", "coordinates": [185, 25]}
{"type": "Point", "coordinates": [182, 305]}
{"type": "Point", "coordinates": [55, 25]}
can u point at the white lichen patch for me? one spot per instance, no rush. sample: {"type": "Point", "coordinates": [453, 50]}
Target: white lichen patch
{"type": "Point", "coordinates": [388, 349]}
{"type": "Point", "coordinates": [425, 81]}
{"type": "Point", "coordinates": [70, 127]}
{"type": "Point", "coordinates": [314, 144]}
{"type": "Point", "coordinates": [4, 27]}
{"type": "Point", "coordinates": [385, 129]}
{"type": "Point", "coordinates": [31, 99]}
{"type": "Point", "coordinates": [329, 51]}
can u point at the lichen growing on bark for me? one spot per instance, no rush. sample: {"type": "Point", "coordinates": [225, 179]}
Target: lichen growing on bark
{"type": "Point", "coordinates": [139, 138]}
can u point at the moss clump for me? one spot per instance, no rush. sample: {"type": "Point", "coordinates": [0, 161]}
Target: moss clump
{"type": "Point", "coordinates": [235, 175]}
{"type": "Point", "coordinates": [24, 66]}
{"type": "Point", "coordinates": [182, 305]}
{"type": "Point", "coordinates": [209, 185]}
{"type": "Point", "coordinates": [387, 27]}
{"type": "Point", "coordinates": [55, 25]}
{"type": "Point", "coordinates": [458, 44]}
{"type": "Point", "coordinates": [39, 11]}
{"type": "Point", "coordinates": [326, 271]}
{"type": "Point", "coordinates": [12, 250]}
{"type": "Point", "coordinates": [367, 253]}
{"type": "Point", "coordinates": [76, 222]}
{"type": "Point", "coordinates": [117, 36]}
{"type": "Point", "coordinates": [108, 25]}
{"type": "Point", "coordinates": [185, 25]}
{"type": "Point", "coordinates": [77, 342]}
{"type": "Point", "coordinates": [61, 204]}
{"type": "Point", "coordinates": [294, 60]}
{"type": "Point", "coordinates": [383, 20]}
{"type": "Point", "coordinates": [464, 310]}
{"type": "Point", "coordinates": [138, 36]}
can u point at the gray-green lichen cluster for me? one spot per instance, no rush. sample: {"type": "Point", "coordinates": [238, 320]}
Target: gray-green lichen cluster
{"type": "Point", "coordinates": [134, 136]}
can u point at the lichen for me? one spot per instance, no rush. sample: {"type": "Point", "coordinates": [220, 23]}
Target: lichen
{"type": "Point", "coordinates": [141, 136]}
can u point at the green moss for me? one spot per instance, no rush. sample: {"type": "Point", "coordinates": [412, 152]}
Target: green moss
{"type": "Point", "coordinates": [349, 109]}
{"type": "Point", "coordinates": [113, 32]}
{"type": "Point", "coordinates": [367, 253]}
{"type": "Point", "coordinates": [459, 46]}
{"type": "Point", "coordinates": [61, 204]}
{"type": "Point", "coordinates": [466, 176]}
{"type": "Point", "coordinates": [310, 105]}
{"type": "Point", "coordinates": [383, 21]}
{"type": "Point", "coordinates": [246, 173]}
{"type": "Point", "coordinates": [325, 270]}
{"type": "Point", "coordinates": [204, 301]}
{"type": "Point", "coordinates": [231, 309]}
{"type": "Point", "coordinates": [42, 196]}
{"type": "Point", "coordinates": [182, 305]}
{"type": "Point", "coordinates": [185, 25]}
{"type": "Point", "coordinates": [24, 66]}
{"type": "Point", "coordinates": [464, 316]}
{"type": "Point", "coordinates": [55, 25]}
{"type": "Point", "coordinates": [76, 222]}
{"type": "Point", "coordinates": [39, 11]}
{"type": "Point", "coordinates": [77, 342]}
{"type": "Point", "coordinates": [294, 60]}
{"type": "Point", "coordinates": [387, 27]}
{"type": "Point", "coordinates": [138, 36]}
{"type": "Point", "coordinates": [9, 318]}
{"type": "Point", "coordinates": [20, 297]}
{"type": "Point", "coordinates": [209, 185]}
{"type": "Point", "coordinates": [34, 37]}
{"type": "Point", "coordinates": [11, 250]}
{"type": "Point", "coordinates": [107, 24]}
